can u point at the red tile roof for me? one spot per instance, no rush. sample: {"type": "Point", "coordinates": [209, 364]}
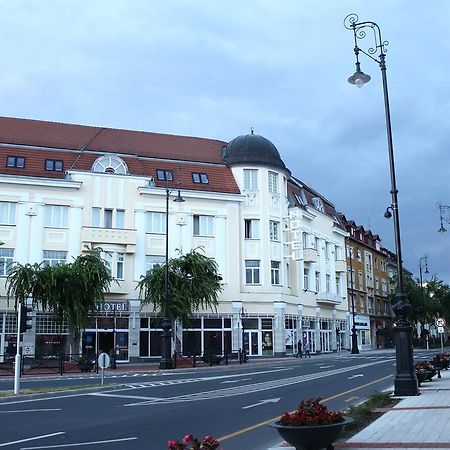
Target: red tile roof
{"type": "Point", "coordinates": [143, 152]}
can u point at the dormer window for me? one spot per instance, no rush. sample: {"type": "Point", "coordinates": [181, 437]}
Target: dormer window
{"type": "Point", "coordinates": [110, 164]}
{"type": "Point", "coordinates": [318, 204]}
{"type": "Point", "coordinates": [15, 161]}
{"type": "Point", "coordinates": [200, 178]}
{"type": "Point", "coordinates": [164, 175]}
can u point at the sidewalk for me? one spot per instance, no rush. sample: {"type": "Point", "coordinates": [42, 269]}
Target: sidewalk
{"type": "Point", "coordinates": [421, 421]}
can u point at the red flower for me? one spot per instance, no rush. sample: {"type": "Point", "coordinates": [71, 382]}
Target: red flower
{"type": "Point", "coordinates": [311, 412]}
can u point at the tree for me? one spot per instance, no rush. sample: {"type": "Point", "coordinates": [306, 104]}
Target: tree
{"type": "Point", "coordinates": [193, 284]}
{"type": "Point", "coordinates": [71, 292]}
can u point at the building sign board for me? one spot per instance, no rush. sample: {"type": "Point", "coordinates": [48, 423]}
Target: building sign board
{"type": "Point", "coordinates": [114, 306]}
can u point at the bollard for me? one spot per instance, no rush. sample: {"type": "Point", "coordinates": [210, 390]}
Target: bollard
{"type": "Point", "coordinates": [194, 361]}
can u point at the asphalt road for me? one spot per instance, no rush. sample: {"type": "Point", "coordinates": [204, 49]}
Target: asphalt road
{"type": "Point", "coordinates": [231, 403]}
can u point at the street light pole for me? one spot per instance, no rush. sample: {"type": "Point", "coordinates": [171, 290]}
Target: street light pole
{"type": "Point", "coordinates": [355, 350]}
{"type": "Point", "coordinates": [423, 333]}
{"type": "Point", "coordinates": [405, 383]}
{"type": "Point", "coordinates": [166, 356]}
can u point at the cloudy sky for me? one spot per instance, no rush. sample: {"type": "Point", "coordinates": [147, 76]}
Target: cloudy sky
{"type": "Point", "coordinates": [214, 68]}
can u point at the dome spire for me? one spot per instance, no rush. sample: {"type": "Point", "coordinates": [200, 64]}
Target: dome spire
{"type": "Point", "coordinates": [252, 130]}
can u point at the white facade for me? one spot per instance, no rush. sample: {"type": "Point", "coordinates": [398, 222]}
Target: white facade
{"type": "Point", "coordinates": [266, 245]}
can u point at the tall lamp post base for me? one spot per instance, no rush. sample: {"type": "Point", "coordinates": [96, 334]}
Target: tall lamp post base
{"type": "Point", "coordinates": [355, 349]}
{"type": "Point", "coordinates": [166, 358]}
{"type": "Point", "coordinates": [405, 382]}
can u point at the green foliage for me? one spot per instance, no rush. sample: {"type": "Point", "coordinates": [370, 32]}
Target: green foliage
{"type": "Point", "coordinates": [193, 284]}
{"type": "Point", "coordinates": [70, 292]}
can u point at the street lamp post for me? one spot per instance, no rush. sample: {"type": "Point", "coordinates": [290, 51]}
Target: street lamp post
{"type": "Point", "coordinates": [242, 314]}
{"type": "Point", "coordinates": [423, 333]}
{"type": "Point", "coordinates": [405, 383]}
{"type": "Point", "coordinates": [166, 357]}
{"type": "Point", "coordinates": [442, 217]}
{"type": "Point", "coordinates": [355, 349]}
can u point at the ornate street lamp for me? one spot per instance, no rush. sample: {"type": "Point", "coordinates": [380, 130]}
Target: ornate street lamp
{"type": "Point", "coordinates": [405, 382]}
{"type": "Point", "coordinates": [166, 357]}
{"type": "Point", "coordinates": [423, 333]}
{"type": "Point", "coordinates": [355, 349]}
{"type": "Point", "coordinates": [442, 217]}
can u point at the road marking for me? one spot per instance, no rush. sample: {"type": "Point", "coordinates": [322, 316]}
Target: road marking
{"type": "Point", "coordinates": [262, 424]}
{"type": "Point", "coordinates": [350, 399]}
{"type": "Point", "coordinates": [30, 410]}
{"type": "Point", "coordinates": [355, 376]}
{"type": "Point", "coordinates": [235, 381]}
{"type": "Point", "coordinates": [251, 388]}
{"type": "Point", "coordinates": [138, 397]}
{"type": "Point", "coordinates": [263, 402]}
{"type": "Point", "coordinates": [4, 444]}
{"type": "Point", "coordinates": [110, 441]}
{"type": "Point", "coordinates": [325, 367]}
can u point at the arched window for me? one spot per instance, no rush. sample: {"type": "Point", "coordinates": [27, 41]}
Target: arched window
{"type": "Point", "coordinates": [110, 164]}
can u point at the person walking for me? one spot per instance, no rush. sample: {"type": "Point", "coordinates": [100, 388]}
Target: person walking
{"type": "Point", "coordinates": [307, 347]}
{"type": "Point", "coordinates": [299, 349]}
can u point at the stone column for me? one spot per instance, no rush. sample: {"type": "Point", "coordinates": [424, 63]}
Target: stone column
{"type": "Point", "coordinates": [279, 331]}
{"type": "Point", "coordinates": [317, 331]}
{"type": "Point", "coordinates": [236, 327]}
{"type": "Point", "coordinates": [134, 328]}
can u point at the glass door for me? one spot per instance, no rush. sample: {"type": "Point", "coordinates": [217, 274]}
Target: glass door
{"type": "Point", "coordinates": [251, 343]}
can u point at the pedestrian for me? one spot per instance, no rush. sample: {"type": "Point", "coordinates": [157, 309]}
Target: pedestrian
{"type": "Point", "coordinates": [299, 349]}
{"type": "Point", "coordinates": [307, 350]}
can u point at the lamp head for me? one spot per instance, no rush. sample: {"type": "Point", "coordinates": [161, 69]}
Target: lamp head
{"type": "Point", "coordinates": [388, 213]}
{"type": "Point", "coordinates": [178, 198]}
{"type": "Point", "coordinates": [441, 229]}
{"type": "Point", "coordinates": [359, 78]}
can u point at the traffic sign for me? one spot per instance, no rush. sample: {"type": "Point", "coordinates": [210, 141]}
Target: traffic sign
{"type": "Point", "coordinates": [440, 322]}
{"type": "Point", "coordinates": [440, 330]}
{"type": "Point", "coordinates": [103, 360]}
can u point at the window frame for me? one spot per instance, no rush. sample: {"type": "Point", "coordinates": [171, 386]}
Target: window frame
{"type": "Point", "coordinates": [164, 174]}
{"type": "Point", "coordinates": [10, 210]}
{"type": "Point", "coordinates": [54, 220]}
{"type": "Point", "coordinates": [275, 273]}
{"type": "Point", "coordinates": [54, 165]}
{"type": "Point", "coordinates": [200, 178]}
{"type": "Point", "coordinates": [273, 184]}
{"type": "Point", "coordinates": [252, 272]}
{"type": "Point", "coordinates": [274, 230]}
{"type": "Point", "coordinates": [6, 261]}
{"type": "Point", "coordinates": [202, 225]}
{"type": "Point", "coordinates": [154, 226]}
{"type": "Point", "coordinates": [252, 229]}
{"type": "Point", "coordinates": [250, 179]}
{"type": "Point", "coordinates": [18, 162]}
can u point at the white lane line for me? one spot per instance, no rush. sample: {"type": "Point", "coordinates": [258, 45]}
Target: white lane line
{"type": "Point", "coordinates": [99, 394]}
{"type": "Point", "coordinates": [30, 410]}
{"type": "Point", "coordinates": [235, 381]}
{"type": "Point", "coordinates": [262, 402]}
{"type": "Point", "coordinates": [111, 441]}
{"type": "Point", "coordinates": [325, 367]}
{"type": "Point", "coordinates": [355, 376]}
{"type": "Point", "coordinates": [4, 444]}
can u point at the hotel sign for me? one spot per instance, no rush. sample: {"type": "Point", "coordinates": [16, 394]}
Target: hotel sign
{"type": "Point", "coordinates": [114, 306]}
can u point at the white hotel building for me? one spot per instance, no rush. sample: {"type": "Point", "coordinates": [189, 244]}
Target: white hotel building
{"type": "Point", "coordinates": [278, 243]}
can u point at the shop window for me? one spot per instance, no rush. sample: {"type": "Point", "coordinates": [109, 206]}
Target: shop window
{"type": "Point", "coordinates": [250, 324]}
{"type": "Point", "coordinates": [212, 342]}
{"type": "Point", "coordinates": [191, 343]}
{"type": "Point", "coordinates": [155, 343]}
{"type": "Point", "coordinates": [212, 323]}
{"type": "Point", "coordinates": [143, 343]}
{"type": "Point", "coordinates": [266, 324]}
{"type": "Point", "coordinates": [267, 343]}
{"type": "Point", "coordinates": [227, 323]}
{"type": "Point", "coordinates": [144, 322]}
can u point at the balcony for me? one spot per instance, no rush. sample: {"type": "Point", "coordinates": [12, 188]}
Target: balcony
{"type": "Point", "coordinates": [328, 298]}
{"type": "Point", "coordinates": [117, 236]}
{"type": "Point", "coordinates": [340, 265]}
{"type": "Point", "coordinates": [309, 255]}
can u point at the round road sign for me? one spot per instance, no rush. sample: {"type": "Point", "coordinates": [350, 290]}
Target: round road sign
{"type": "Point", "coordinates": [103, 360]}
{"type": "Point", "coordinates": [440, 322]}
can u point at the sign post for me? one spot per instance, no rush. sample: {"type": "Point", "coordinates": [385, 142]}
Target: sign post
{"type": "Point", "coordinates": [440, 323]}
{"type": "Point", "coordinates": [103, 362]}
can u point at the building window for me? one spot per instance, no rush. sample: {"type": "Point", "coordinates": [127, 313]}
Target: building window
{"type": "Point", "coordinates": [328, 282]}
{"type": "Point", "coordinates": [15, 161]}
{"type": "Point", "coordinates": [317, 244]}
{"type": "Point", "coordinates": [305, 279]}
{"type": "Point", "coordinates": [337, 253]}
{"type": "Point", "coordinates": [275, 272]}
{"type": "Point", "coordinates": [305, 239]}
{"type": "Point", "coordinates": [317, 281]}
{"type": "Point", "coordinates": [274, 230]}
{"type": "Point", "coordinates": [251, 227]}
{"type": "Point", "coordinates": [164, 175]}
{"type": "Point", "coordinates": [338, 285]}
{"type": "Point", "coordinates": [250, 179]}
{"type": "Point", "coordinates": [54, 257]}
{"type": "Point", "coordinates": [351, 278]}
{"type": "Point", "coordinates": [156, 222]}
{"type": "Point", "coordinates": [56, 216]}
{"type": "Point", "coordinates": [327, 250]}
{"type": "Point", "coordinates": [152, 261]}
{"type": "Point", "coordinates": [358, 255]}
{"type": "Point", "coordinates": [55, 165]}
{"type": "Point", "coordinates": [273, 182]}
{"type": "Point", "coordinates": [110, 164]}
{"type": "Point", "coordinates": [7, 213]}
{"type": "Point", "coordinates": [6, 261]}
{"type": "Point", "coordinates": [200, 178]}
{"type": "Point", "coordinates": [109, 218]}
{"type": "Point", "coordinates": [203, 226]}
{"type": "Point", "coordinates": [114, 262]}
{"type": "Point", "coordinates": [252, 271]}
{"type": "Point", "coordinates": [318, 204]}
